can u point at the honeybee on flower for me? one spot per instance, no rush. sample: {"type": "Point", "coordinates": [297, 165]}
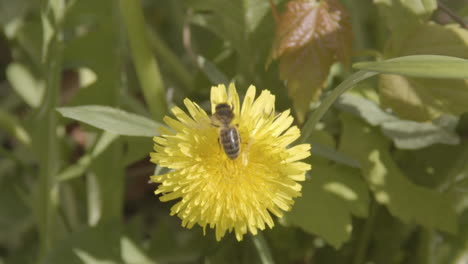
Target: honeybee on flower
{"type": "Point", "coordinates": [233, 183]}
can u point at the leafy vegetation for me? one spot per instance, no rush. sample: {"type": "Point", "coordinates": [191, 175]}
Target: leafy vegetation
{"type": "Point", "coordinates": [378, 88]}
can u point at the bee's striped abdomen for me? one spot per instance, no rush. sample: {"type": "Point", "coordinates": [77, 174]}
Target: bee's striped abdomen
{"type": "Point", "coordinates": [229, 138]}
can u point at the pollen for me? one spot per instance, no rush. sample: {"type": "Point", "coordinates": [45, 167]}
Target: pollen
{"type": "Point", "coordinates": [230, 195]}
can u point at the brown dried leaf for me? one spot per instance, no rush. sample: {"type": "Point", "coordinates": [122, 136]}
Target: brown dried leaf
{"type": "Point", "coordinates": [311, 35]}
{"type": "Point", "coordinates": [296, 27]}
{"type": "Point", "coordinates": [306, 70]}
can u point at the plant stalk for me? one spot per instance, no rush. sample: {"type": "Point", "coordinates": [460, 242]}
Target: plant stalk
{"type": "Point", "coordinates": [315, 117]}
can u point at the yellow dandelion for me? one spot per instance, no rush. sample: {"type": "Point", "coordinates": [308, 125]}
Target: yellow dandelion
{"type": "Point", "coordinates": [224, 193]}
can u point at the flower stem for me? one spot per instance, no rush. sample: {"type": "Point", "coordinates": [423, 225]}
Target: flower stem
{"type": "Point", "coordinates": [262, 248]}
{"type": "Point", "coordinates": [315, 117]}
{"type": "Point", "coordinates": [146, 66]}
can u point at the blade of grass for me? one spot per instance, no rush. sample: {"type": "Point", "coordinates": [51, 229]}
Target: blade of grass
{"type": "Point", "coordinates": [145, 63]}
{"type": "Point", "coordinates": [428, 66]}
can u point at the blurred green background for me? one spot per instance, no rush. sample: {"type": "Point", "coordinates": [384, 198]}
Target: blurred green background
{"type": "Point", "coordinates": [390, 159]}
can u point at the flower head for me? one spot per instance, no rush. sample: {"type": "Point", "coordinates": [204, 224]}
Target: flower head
{"type": "Point", "coordinates": [224, 193]}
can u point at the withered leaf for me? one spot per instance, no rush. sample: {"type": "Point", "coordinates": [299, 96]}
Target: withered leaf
{"type": "Point", "coordinates": [311, 35]}
{"type": "Point", "coordinates": [306, 70]}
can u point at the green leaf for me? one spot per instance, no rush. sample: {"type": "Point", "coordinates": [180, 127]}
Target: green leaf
{"type": "Point", "coordinates": [146, 65]}
{"type": "Point", "coordinates": [323, 145]}
{"type": "Point", "coordinates": [99, 244]}
{"type": "Point", "coordinates": [9, 10]}
{"type": "Point", "coordinates": [406, 134]}
{"type": "Point", "coordinates": [58, 9]}
{"type": "Point", "coordinates": [48, 32]}
{"type": "Point", "coordinates": [400, 13]}
{"type": "Point", "coordinates": [331, 153]}
{"type": "Point", "coordinates": [92, 24]}
{"type": "Point", "coordinates": [16, 217]}
{"type": "Point", "coordinates": [429, 66]}
{"type": "Point", "coordinates": [239, 25]}
{"type": "Point", "coordinates": [137, 148]}
{"type": "Point", "coordinates": [314, 118]}
{"type": "Point", "coordinates": [438, 166]}
{"type": "Point", "coordinates": [168, 240]}
{"type": "Point", "coordinates": [112, 120]}
{"type": "Point", "coordinates": [389, 239]}
{"type": "Point", "coordinates": [78, 168]}
{"type": "Point", "coordinates": [232, 20]}
{"type": "Point", "coordinates": [212, 72]}
{"type": "Point", "coordinates": [404, 199]}
{"type": "Point", "coordinates": [428, 39]}
{"type": "Point", "coordinates": [98, 24]}
{"type": "Point", "coordinates": [263, 249]}
{"type": "Point", "coordinates": [330, 197]}
{"type": "Point", "coordinates": [12, 126]}
{"type": "Point", "coordinates": [364, 108]}
{"type": "Point", "coordinates": [132, 254]}
{"type": "Point", "coordinates": [28, 87]}
{"type": "Point", "coordinates": [414, 135]}
{"type": "Point", "coordinates": [424, 99]}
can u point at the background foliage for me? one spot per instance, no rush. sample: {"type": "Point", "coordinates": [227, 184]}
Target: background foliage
{"type": "Point", "coordinates": [85, 84]}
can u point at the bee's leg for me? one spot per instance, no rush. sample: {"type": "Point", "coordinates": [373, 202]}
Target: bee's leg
{"type": "Point", "coordinates": [219, 145]}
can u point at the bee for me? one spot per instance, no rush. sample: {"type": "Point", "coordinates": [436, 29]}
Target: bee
{"type": "Point", "coordinates": [229, 137]}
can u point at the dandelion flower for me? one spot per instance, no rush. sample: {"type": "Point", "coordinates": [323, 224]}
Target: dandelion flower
{"type": "Point", "coordinates": [230, 194]}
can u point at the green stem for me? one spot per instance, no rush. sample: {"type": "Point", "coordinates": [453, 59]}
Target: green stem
{"type": "Point", "coordinates": [146, 66]}
{"type": "Point", "coordinates": [312, 121]}
{"type": "Point", "coordinates": [364, 239]}
{"type": "Point", "coordinates": [45, 143]}
{"type": "Point", "coordinates": [262, 248]}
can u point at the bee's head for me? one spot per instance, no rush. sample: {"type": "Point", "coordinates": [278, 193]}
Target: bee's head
{"type": "Point", "coordinates": [224, 113]}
